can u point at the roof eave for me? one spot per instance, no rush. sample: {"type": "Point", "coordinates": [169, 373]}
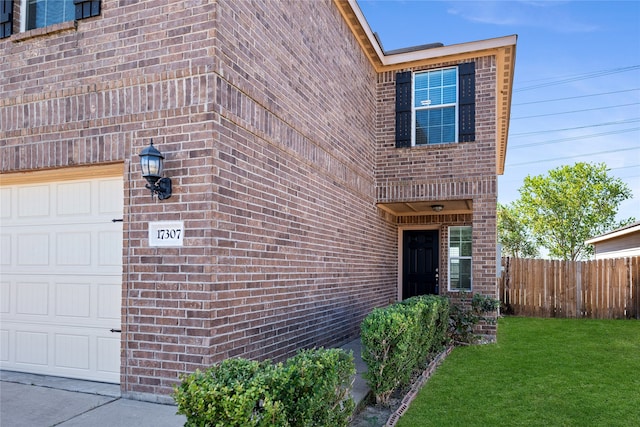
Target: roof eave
{"type": "Point", "coordinates": [504, 48]}
{"type": "Point", "coordinates": [614, 234]}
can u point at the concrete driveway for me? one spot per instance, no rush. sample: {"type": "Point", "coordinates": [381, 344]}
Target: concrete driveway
{"type": "Point", "coordinates": [40, 401]}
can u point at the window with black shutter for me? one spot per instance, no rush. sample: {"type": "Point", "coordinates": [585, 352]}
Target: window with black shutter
{"type": "Point", "coordinates": [435, 106]}
{"type": "Point", "coordinates": [403, 109]}
{"type": "Point", "coordinates": [43, 13]}
{"type": "Point", "coordinates": [6, 18]}
{"type": "Point", "coordinates": [467, 102]}
{"type": "Point", "coordinates": [87, 8]}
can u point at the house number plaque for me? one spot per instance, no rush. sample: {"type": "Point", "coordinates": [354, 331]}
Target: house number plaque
{"type": "Point", "coordinates": [166, 233]}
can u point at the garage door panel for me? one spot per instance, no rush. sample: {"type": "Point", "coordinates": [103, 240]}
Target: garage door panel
{"type": "Point", "coordinates": [72, 351]}
{"type": "Point", "coordinates": [6, 200]}
{"type": "Point", "coordinates": [73, 249]}
{"type": "Point", "coordinates": [5, 296]}
{"type": "Point", "coordinates": [73, 299]}
{"type": "Point", "coordinates": [61, 287]}
{"type": "Point", "coordinates": [111, 203]}
{"type": "Point", "coordinates": [62, 202]}
{"type": "Point", "coordinates": [33, 201]}
{"type": "Point", "coordinates": [109, 296]}
{"type": "Point", "coordinates": [4, 345]}
{"type": "Point", "coordinates": [96, 249]}
{"type": "Point", "coordinates": [33, 249]}
{"type": "Point", "coordinates": [73, 198]}
{"type": "Point", "coordinates": [109, 248]}
{"type": "Point", "coordinates": [66, 351]}
{"type": "Point", "coordinates": [108, 351]}
{"type": "Point", "coordinates": [5, 250]}
{"type": "Point", "coordinates": [32, 348]}
{"type": "Point", "coordinates": [32, 298]}
{"type": "Point", "coordinates": [63, 300]}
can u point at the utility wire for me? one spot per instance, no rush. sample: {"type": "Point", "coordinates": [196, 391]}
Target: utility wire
{"type": "Point", "coordinates": [577, 77]}
{"type": "Point", "coordinates": [544, 101]}
{"type": "Point", "coordinates": [571, 157]}
{"type": "Point", "coordinates": [625, 167]}
{"type": "Point", "coordinates": [576, 111]}
{"type": "Point", "coordinates": [620, 122]}
{"type": "Point", "coordinates": [542, 79]}
{"type": "Point", "coordinates": [574, 138]}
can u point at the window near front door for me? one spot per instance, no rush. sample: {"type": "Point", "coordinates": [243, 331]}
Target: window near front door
{"type": "Point", "coordinates": [459, 258]}
{"type": "Point", "coordinates": [435, 106]}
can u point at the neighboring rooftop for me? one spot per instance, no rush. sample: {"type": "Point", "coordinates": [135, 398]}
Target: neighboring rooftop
{"type": "Point", "coordinates": [628, 229]}
{"type": "Point", "coordinates": [406, 49]}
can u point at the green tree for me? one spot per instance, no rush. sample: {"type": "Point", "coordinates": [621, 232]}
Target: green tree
{"type": "Point", "coordinates": [513, 233]}
{"type": "Point", "coordinates": [570, 205]}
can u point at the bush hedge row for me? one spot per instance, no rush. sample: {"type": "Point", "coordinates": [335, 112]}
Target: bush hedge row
{"type": "Point", "coordinates": [397, 341]}
{"type": "Point", "coordinates": [309, 389]}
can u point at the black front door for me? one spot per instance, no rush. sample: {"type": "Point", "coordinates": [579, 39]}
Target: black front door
{"type": "Point", "coordinates": [419, 263]}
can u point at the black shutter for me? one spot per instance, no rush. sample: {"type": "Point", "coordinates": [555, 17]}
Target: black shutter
{"type": "Point", "coordinates": [87, 8]}
{"type": "Point", "coordinates": [403, 109]}
{"type": "Point", "coordinates": [6, 18]}
{"type": "Point", "coordinates": [467, 102]}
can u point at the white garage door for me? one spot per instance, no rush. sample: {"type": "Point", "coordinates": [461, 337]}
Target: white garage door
{"type": "Point", "coordinates": [61, 275]}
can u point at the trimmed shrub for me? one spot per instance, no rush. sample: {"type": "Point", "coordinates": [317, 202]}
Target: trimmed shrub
{"type": "Point", "coordinates": [397, 340]}
{"type": "Point", "coordinates": [386, 337]}
{"type": "Point", "coordinates": [310, 389]}
{"type": "Point", "coordinates": [237, 392]}
{"type": "Point", "coordinates": [463, 319]}
{"type": "Point", "coordinates": [316, 388]}
{"type": "Point", "coordinates": [433, 314]}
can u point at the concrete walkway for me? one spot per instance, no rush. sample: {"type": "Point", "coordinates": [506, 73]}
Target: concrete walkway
{"type": "Point", "coordinates": [42, 401]}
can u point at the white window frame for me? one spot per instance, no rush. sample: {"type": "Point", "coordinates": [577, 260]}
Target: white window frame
{"type": "Point", "coordinates": [414, 109]}
{"type": "Point", "coordinates": [451, 256]}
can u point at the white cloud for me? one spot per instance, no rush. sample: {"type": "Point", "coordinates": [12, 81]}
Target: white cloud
{"type": "Point", "coordinates": [553, 16]}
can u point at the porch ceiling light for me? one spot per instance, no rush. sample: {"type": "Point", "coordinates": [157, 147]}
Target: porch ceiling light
{"type": "Point", "coordinates": [151, 161]}
{"type": "Point", "coordinates": [437, 208]}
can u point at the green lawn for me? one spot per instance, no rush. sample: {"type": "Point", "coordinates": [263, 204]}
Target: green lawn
{"type": "Point", "coordinates": [542, 372]}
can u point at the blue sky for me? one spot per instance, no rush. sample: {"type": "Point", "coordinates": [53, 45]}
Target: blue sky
{"type": "Point", "coordinates": [576, 94]}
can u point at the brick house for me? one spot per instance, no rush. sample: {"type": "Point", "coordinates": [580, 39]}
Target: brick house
{"type": "Point", "coordinates": [315, 176]}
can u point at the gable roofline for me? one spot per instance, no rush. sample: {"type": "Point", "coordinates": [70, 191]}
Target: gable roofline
{"type": "Point", "coordinates": [504, 49]}
{"type": "Point", "coordinates": [622, 231]}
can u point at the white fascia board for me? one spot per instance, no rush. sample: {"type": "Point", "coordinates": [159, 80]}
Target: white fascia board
{"type": "Point", "coordinates": [367, 29]}
{"type": "Point", "coordinates": [454, 49]}
{"type": "Point", "coordinates": [435, 52]}
{"type": "Point", "coordinates": [613, 235]}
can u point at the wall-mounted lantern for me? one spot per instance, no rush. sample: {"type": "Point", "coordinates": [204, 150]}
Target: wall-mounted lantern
{"type": "Point", "coordinates": [151, 162]}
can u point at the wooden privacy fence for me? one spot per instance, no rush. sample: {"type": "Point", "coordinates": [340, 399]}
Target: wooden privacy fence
{"type": "Point", "coordinates": [599, 289]}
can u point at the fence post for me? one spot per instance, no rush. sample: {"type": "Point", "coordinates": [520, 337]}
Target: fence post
{"type": "Point", "coordinates": [634, 277]}
{"type": "Point", "coordinates": [579, 308]}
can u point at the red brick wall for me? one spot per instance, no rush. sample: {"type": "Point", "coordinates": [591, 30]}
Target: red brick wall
{"type": "Point", "coordinates": [279, 143]}
{"type": "Point", "coordinates": [303, 254]}
{"type": "Point", "coordinates": [265, 113]}
{"type": "Point", "coordinates": [97, 94]}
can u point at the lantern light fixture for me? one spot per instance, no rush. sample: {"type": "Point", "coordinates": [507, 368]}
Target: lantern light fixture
{"type": "Point", "coordinates": [437, 208]}
{"type": "Point", "coordinates": [151, 162]}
